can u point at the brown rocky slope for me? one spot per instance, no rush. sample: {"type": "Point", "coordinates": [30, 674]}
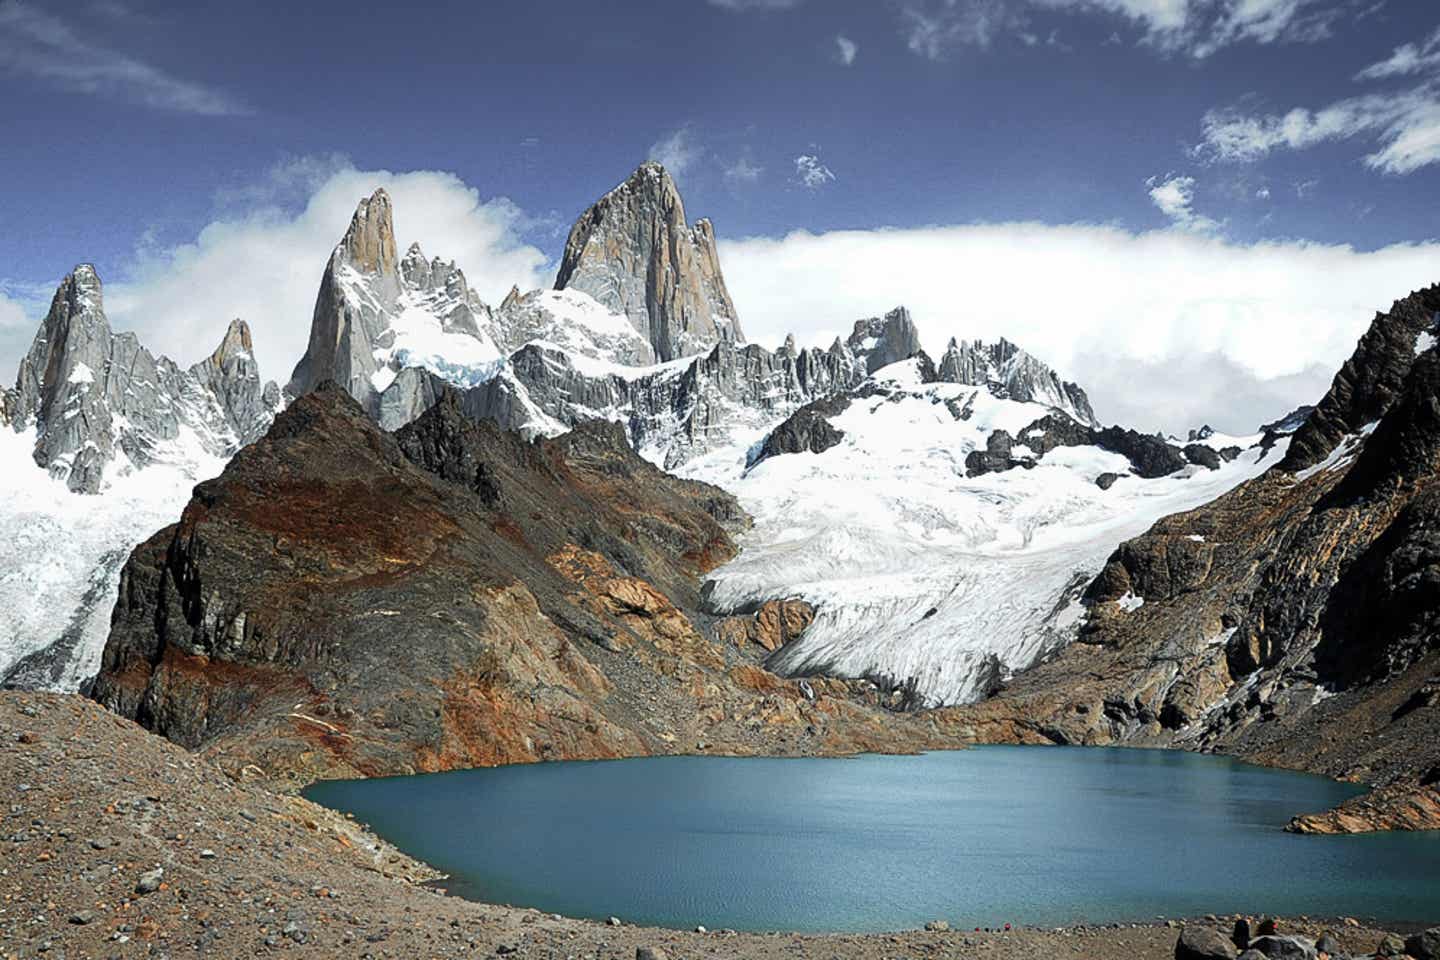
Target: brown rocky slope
{"type": "Point", "coordinates": [346, 602]}
{"type": "Point", "coordinates": [1292, 621]}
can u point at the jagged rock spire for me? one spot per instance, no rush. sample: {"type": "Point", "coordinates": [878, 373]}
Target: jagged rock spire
{"type": "Point", "coordinates": [884, 340]}
{"type": "Point", "coordinates": [634, 252]}
{"type": "Point", "coordinates": [344, 330]}
{"type": "Point", "coordinates": [95, 397]}
{"type": "Point", "coordinates": [1013, 373]}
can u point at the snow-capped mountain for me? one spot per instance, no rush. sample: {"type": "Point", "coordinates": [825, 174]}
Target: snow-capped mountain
{"type": "Point", "coordinates": [941, 519]}
{"type": "Point", "coordinates": [103, 443]}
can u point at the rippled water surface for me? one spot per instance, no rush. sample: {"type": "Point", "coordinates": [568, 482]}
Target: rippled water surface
{"type": "Point", "coordinates": [1033, 835]}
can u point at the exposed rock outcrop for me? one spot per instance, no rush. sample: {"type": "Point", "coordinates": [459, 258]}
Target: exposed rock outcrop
{"type": "Point", "coordinates": [775, 624]}
{"type": "Point", "coordinates": [342, 601]}
{"type": "Point", "coordinates": [100, 402]}
{"type": "Point", "coordinates": [807, 430]}
{"type": "Point", "coordinates": [1012, 373]}
{"type": "Point", "coordinates": [634, 252]}
{"type": "Point", "coordinates": [1370, 380]}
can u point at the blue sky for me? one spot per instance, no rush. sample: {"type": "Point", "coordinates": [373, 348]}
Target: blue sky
{"type": "Point", "coordinates": [133, 127]}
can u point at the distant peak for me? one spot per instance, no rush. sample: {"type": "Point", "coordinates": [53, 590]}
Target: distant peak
{"type": "Point", "coordinates": [236, 341]}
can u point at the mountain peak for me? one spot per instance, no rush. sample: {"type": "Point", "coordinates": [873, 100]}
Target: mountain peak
{"type": "Point", "coordinates": [635, 253]}
{"type": "Point", "coordinates": [884, 340]}
{"type": "Point", "coordinates": [235, 342]}
{"type": "Point", "coordinates": [1011, 372]}
{"type": "Point", "coordinates": [369, 243]}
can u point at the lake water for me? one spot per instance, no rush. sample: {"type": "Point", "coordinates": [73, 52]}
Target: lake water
{"type": "Point", "coordinates": [980, 837]}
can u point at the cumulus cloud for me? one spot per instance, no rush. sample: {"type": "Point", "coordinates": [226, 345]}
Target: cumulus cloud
{"type": "Point", "coordinates": [811, 173]}
{"type": "Point", "coordinates": [43, 47]}
{"type": "Point", "coordinates": [1175, 196]}
{"type": "Point", "coordinates": [846, 49]}
{"type": "Point", "coordinates": [677, 151]}
{"type": "Point", "coordinates": [263, 264]}
{"type": "Point", "coordinates": [1282, 316]}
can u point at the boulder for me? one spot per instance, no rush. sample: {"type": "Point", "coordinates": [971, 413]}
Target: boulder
{"type": "Point", "coordinates": [1204, 943]}
{"type": "Point", "coordinates": [651, 953]}
{"type": "Point", "coordinates": [1424, 946]}
{"type": "Point", "coordinates": [1391, 945]}
{"type": "Point", "coordinates": [1284, 948]}
{"type": "Point", "coordinates": [1328, 945]}
{"type": "Point", "coordinates": [1242, 933]}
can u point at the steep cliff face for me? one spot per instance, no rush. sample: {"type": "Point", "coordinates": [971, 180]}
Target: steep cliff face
{"type": "Point", "coordinates": [100, 403]}
{"type": "Point", "coordinates": [635, 253]}
{"type": "Point", "coordinates": [1294, 619]}
{"type": "Point", "coordinates": [346, 601]}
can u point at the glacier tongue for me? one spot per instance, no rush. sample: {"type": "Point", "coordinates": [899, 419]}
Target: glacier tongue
{"type": "Point", "coordinates": [920, 575]}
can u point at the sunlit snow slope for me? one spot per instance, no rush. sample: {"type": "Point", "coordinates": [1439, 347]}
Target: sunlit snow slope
{"type": "Point", "coordinates": [919, 574]}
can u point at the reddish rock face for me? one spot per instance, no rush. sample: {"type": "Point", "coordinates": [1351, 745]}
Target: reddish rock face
{"type": "Point", "coordinates": [343, 602]}
{"type": "Point", "coordinates": [775, 624]}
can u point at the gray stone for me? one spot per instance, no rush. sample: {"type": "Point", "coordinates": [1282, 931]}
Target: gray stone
{"type": "Point", "coordinates": [1204, 943]}
{"type": "Point", "coordinates": [1424, 945]}
{"type": "Point", "coordinates": [149, 881]}
{"type": "Point", "coordinates": [1284, 948]}
{"type": "Point", "coordinates": [651, 953]}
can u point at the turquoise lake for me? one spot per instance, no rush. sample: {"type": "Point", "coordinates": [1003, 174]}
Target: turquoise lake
{"type": "Point", "coordinates": [980, 837]}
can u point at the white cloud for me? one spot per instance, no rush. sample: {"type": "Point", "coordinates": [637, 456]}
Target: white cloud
{"type": "Point", "coordinates": [1404, 125]}
{"type": "Point", "coordinates": [934, 27]}
{"type": "Point", "coordinates": [677, 151]}
{"type": "Point", "coordinates": [743, 170]}
{"type": "Point", "coordinates": [36, 44]}
{"type": "Point", "coordinates": [846, 49]}
{"type": "Point", "coordinates": [1175, 196]}
{"type": "Point", "coordinates": [1280, 317]}
{"type": "Point", "coordinates": [811, 173]}
{"type": "Point", "coordinates": [264, 264]}
{"type": "Point", "coordinates": [1408, 58]}
{"type": "Point", "coordinates": [1262, 194]}
{"type": "Point", "coordinates": [1197, 28]}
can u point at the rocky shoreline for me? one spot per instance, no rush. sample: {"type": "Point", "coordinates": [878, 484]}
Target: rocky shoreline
{"type": "Point", "coordinates": [119, 843]}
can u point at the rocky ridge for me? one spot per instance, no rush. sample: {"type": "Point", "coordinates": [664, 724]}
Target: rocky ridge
{"type": "Point", "coordinates": [99, 402]}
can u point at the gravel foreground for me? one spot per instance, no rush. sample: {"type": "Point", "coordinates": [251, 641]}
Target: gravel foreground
{"type": "Point", "coordinates": [117, 843]}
